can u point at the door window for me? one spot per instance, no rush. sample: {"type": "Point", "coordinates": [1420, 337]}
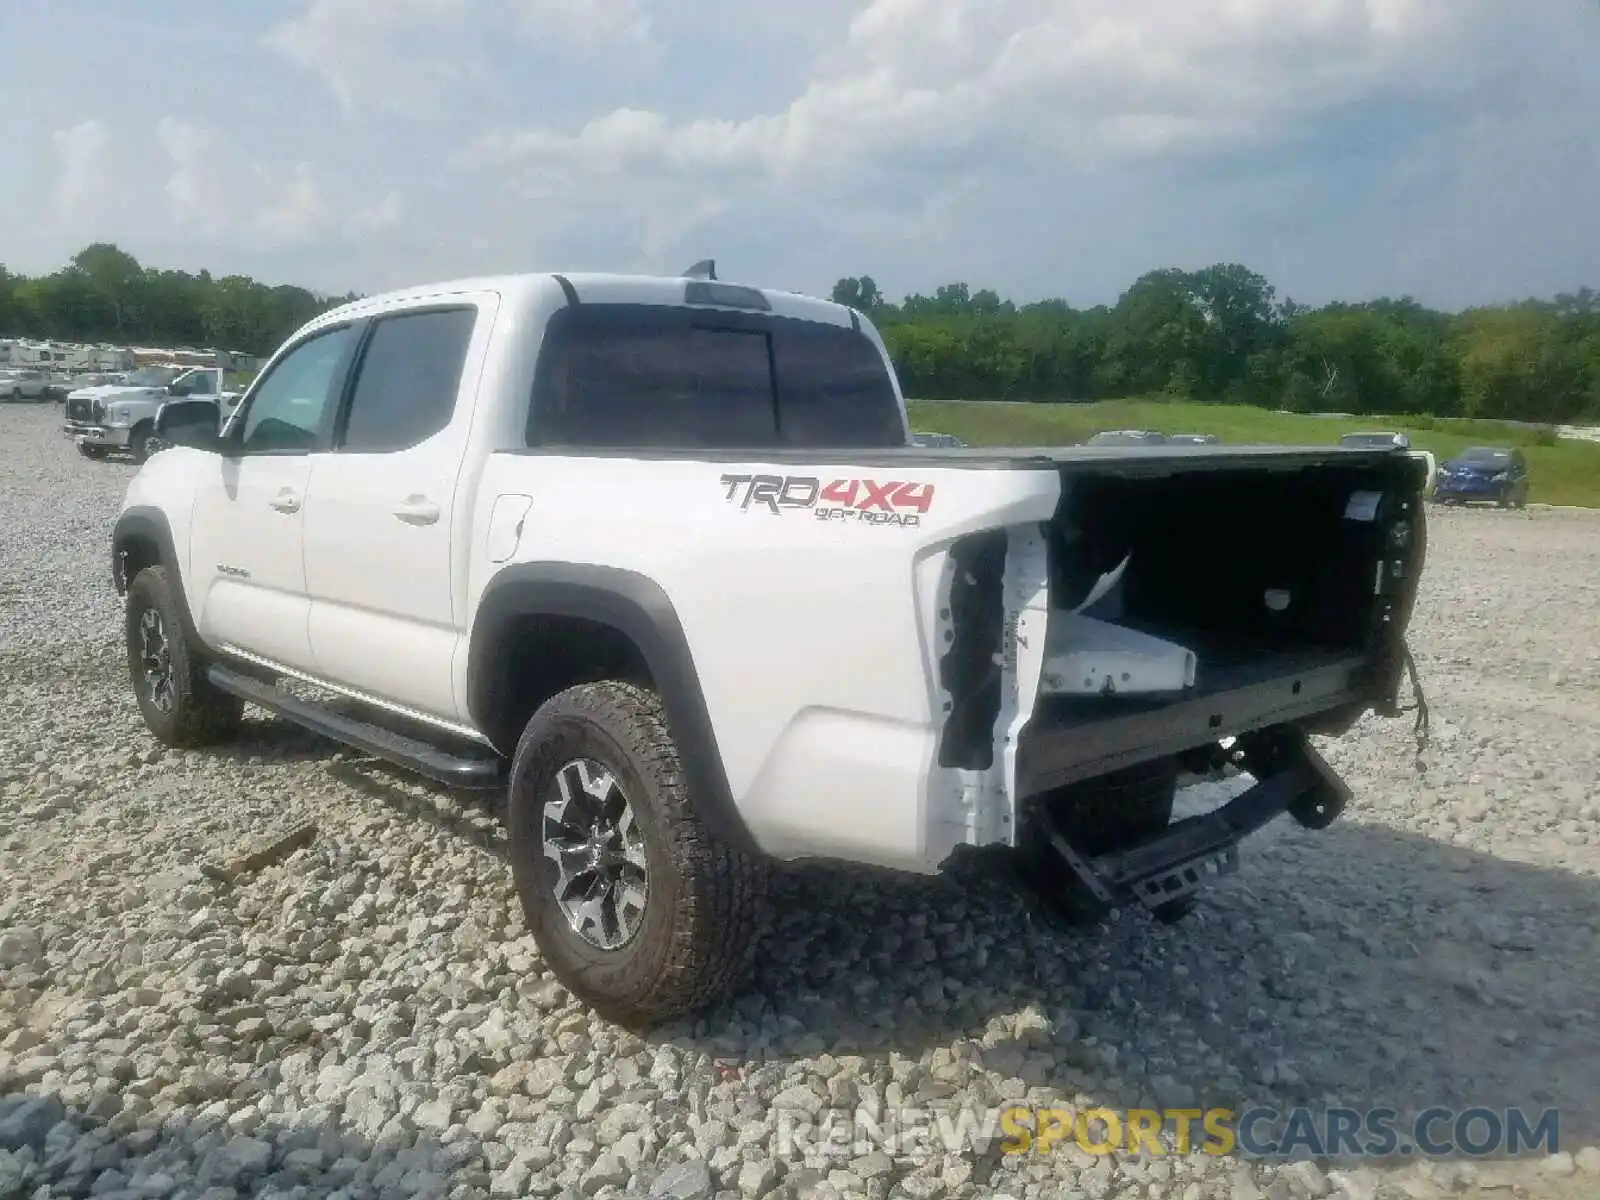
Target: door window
{"type": "Point", "coordinates": [286, 414]}
{"type": "Point", "coordinates": [408, 379]}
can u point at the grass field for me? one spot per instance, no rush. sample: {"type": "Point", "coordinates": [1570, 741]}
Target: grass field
{"type": "Point", "coordinates": [1562, 471]}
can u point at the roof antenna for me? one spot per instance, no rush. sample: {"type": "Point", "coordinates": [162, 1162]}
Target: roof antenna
{"type": "Point", "coordinates": [706, 268]}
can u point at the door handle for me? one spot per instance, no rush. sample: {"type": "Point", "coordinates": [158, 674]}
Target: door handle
{"type": "Point", "coordinates": [285, 501]}
{"type": "Point", "coordinates": [417, 510]}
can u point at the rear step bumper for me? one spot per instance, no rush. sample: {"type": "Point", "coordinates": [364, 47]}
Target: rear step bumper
{"type": "Point", "coordinates": [1053, 752]}
{"type": "Point", "coordinates": [1291, 777]}
{"type": "Point", "coordinates": [463, 770]}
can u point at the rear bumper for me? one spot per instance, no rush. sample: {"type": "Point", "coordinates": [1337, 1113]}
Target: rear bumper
{"type": "Point", "coordinates": [1170, 866]}
{"type": "Point", "coordinates": [95, 435]}
{"type": "Point", "coordinates": [1455, 490]}
{"type": "Point", "coordinates": [1324, 697]}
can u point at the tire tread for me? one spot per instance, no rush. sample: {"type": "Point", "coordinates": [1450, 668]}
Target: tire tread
{"type": "Point", "coordinates": [714, 930]}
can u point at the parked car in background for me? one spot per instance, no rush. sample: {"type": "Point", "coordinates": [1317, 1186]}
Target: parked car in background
{"type": "Point", "coordinates": [1376, 441]}
{"type": "Point", "coordinates": [1400, 441]}
{"type": "Point", "coordinates": [1496, 473]}
{"type": "Point", "coordinates": [948, 441]}
{"type": "Point", "coordinates": [1127, 437]}
{"type": "Point", "coordinates": [1192, 439]}
{"type": "Point", "coordinates": [22, 384]}
{"type": "Point", "coordinates": [123, 416]}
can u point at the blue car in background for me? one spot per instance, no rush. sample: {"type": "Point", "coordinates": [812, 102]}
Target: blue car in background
{"type": "Point", "coordinates": [1484, 473]}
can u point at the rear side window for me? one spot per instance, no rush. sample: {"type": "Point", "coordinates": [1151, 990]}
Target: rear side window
{"type": "Point", "coordinates": [407, 380]}
{"type": "Point", "coordinates": [658, 377]}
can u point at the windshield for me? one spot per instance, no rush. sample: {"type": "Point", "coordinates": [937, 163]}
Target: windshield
{"type": "Point", "coordinates": [1486, 457]}
{"type": "Point", "coordinates": [151, 377]}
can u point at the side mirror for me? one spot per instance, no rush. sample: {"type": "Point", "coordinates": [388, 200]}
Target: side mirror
{"type": "Point", "coordinates": [192, 423]}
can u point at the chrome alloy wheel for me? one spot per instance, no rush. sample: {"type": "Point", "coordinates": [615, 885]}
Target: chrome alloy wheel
{"type": "Point", "coordinates": [602, 879]}
{"type": "Point", "coordinates": [155, 661]}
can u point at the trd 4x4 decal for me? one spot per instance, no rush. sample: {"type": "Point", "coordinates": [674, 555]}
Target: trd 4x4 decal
{"type": "Point", "coordinates": [866, 501]}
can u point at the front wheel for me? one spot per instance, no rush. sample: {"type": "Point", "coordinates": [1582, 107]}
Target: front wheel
{"type": "Point", "coordinates": [139, 444]}
{"type": "Point", "coordinates": [639, 911]}
{"type": "Point", "coordinates": [180, 706]}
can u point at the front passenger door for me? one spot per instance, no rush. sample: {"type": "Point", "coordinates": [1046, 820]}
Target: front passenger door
{"type": "Point", "coordinates": [247, 558]}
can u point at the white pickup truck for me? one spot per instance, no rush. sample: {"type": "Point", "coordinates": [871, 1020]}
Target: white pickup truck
{"type": "Point", "coordinates": [658, 554]}
{"type": "Point", "coordinates": [122, 416]}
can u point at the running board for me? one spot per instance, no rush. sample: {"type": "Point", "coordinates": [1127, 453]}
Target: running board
{"type": "Point", "coordinates": [483, 770]}
{"type": "Point", "coordinates": [1175, 863]}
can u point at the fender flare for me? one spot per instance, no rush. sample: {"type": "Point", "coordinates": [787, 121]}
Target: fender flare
{"type": "Point", "coordinates": [636, 607]}
{"type": "Point", "coordinates": [143, 523]}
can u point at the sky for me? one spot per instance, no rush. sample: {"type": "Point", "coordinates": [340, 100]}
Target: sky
{"type": "Point", "coordinates": [1444, 149]}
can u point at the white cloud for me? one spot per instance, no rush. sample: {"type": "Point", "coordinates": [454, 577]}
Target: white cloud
{"type": "Point", "coordinates": [1037, 146]}
{"type": "Point", "coordinates": [584, 24]}
{"type": "Point", "coordinates": [194, 185]}
{"type": "Point", "coordinates": [295, 210]}
{"type": "Point", "coordinates": [214, 193]}
{"type": "Point", "coordinates": [388, 214]}
{"type": "Point", "coordinates": [88, 176]}
{"type": "Point", "coordinates": [365, 50]}
{"type": "Point", "coordinates": [401, 56]}
{"type": "Point", "coordinates": [1076, 78]}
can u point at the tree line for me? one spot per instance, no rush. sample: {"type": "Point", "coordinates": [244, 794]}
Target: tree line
{"type": "Point", "coordinates": [1219, 334]}
{"type": "Point", "coordinates": [105, 295]}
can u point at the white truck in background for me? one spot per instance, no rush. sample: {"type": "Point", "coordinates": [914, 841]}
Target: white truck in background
{"type": "Point", "coordinates": [122, 416]}
{"type": "Point", "coordinates": [660, 556]}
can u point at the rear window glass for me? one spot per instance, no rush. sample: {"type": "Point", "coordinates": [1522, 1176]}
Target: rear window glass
{"type": "Point", "coordinates": [658, 377]}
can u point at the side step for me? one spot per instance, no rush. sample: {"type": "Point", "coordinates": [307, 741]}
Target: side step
{"type": "Point", "coordinates": [482, 770]}
{"type": "Point", "coordinates": [1291, 777]}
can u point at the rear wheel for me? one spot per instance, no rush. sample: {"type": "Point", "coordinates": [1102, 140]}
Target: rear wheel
{"type": "Point", "coordinates": [178, 703]}
{"type": "Point", "coordinates": [1095, 817]}
{"type": "Point", "coordinates": [639, 912]}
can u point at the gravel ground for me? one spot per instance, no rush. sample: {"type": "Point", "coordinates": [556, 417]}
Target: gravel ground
{"type": "Point", "coordinates": [367, 1019]}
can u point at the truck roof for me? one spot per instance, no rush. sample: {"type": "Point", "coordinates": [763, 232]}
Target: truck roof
{"type": "Point", "coordinates": [594, 287]}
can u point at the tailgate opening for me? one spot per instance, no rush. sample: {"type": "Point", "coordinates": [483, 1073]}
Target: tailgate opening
{"type": "Point", "coordinates": [1191, 602]}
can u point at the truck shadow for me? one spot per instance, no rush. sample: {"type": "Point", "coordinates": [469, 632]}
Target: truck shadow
{"type": "Point", "coordinates": [1358, 967]}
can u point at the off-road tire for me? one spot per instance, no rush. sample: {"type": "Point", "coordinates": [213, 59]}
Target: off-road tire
{"type": "Point", "coordinates": [202, 714]}
{"type": "Point", "coordinates": [1096, 816]}
{"type": "Point", "coordinates": [94, 452]}
{"type": "Point", "coordinates": [705, 899]}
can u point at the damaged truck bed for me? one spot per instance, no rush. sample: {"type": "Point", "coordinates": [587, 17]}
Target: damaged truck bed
{"type": "Point", "coordinates": [1195, 607]}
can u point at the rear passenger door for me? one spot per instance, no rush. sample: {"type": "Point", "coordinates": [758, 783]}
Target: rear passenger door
{"type": "Point", "coordinates": [381, 508]}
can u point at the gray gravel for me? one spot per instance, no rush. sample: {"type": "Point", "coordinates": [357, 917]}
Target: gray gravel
{"type": "Point", "coordinates": [366, 1018]}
